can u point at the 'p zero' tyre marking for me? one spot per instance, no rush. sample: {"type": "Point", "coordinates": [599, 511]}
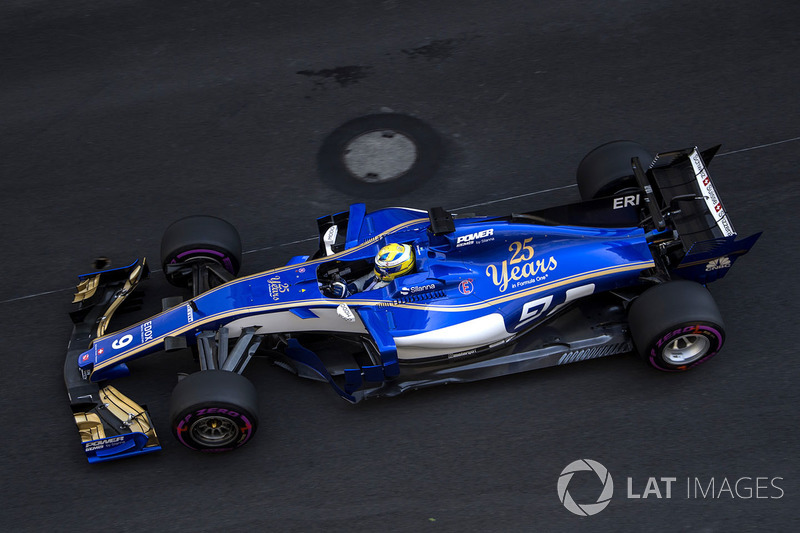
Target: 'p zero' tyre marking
{"type": "Point", "coordinates": [708, 331]}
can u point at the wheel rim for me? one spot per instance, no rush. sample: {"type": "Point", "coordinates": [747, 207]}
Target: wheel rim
{"type": "Point", "coordinates": [686, 349]}
{"type": "Point", "coordinates": [206, 255]}
{"type": "Point", "coordinates": [214, 431]}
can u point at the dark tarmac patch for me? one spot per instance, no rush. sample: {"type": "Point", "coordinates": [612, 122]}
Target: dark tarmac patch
{"type": "Point", "coordinates": [439, 49]}
{"type": "Point", "coordinates": [379, 155]}
{"type": "Point", "coordinates": [344, 76]}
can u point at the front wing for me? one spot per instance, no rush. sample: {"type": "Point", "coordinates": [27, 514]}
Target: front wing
{"type": "Point", "coordinates": [110, 424]}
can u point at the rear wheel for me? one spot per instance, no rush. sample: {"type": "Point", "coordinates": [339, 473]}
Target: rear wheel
{"type": "Point", "coordinates": [200, 238]}
{"type": "Point", "coordinates": [214, 411]}
{"type": "Point", "coordinates": [676, 325]}
{"type": "Point", "coordinates": [606, 170]}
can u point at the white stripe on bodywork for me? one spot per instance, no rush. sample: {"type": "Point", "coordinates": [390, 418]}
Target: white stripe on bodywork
{"type": "Point", "coordinates": [287, 322]}
{"type": "Point", "coordinates": [353, 301]}
{"type": "Point", "coordinates": [573, 294]}
{"type": "Point", "coordinates": [459, 337]}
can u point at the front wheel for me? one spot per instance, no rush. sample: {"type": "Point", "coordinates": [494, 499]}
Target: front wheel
{"type": "Point", "coordinates": [200, 239]}
{"type": "Point", "coordinates": [676, 325]}
{"type": "Point", "coordinates": [214, 411]}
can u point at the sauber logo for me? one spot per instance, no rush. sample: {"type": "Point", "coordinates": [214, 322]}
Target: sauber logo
{"type": "Point", "coordinates": [719, 263]}
{"type": "Point", "coordinates": [472, 238]}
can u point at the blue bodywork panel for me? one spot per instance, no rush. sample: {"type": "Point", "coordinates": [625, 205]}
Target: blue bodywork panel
{"type": "Point", "coordinates": [117, 447]}
{"type": "Point", "coordinates": [488, 296]}
{"type": "Point", "coordinates": [515, 271]}
{"type": "Point", "coordinates": [708, 261]}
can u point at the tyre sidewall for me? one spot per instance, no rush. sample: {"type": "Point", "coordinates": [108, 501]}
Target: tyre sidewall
{"type": "Point", "coordinates": [244, 421]}
{"type": "Point", "coordinates": [202, 236]}
{"type": "Point", "coordinates": [713, 332]}
{"type": "Point", "coordinates": [668, 310]}
{"type": "Point", "coordinates": [204, 252]}
{"type": "Point", "coordinates": [216, 393]}
{"type": "Point", "coordinates": [606, 170]}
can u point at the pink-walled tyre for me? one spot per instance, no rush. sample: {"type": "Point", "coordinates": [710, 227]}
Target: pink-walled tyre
{"type": "Point", "coordinates": [676, 325]}
{"type": "Point", "coordinates": [607, 170]}
{"type": "Point", "coordinates": [200, 238]}
{"type": "Point", "coordinates": [214, 411]}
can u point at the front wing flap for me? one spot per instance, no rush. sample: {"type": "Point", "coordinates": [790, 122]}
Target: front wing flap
{"type": "Point", "coordinates": [116, 427]}
{"type": "Point", "coordinates": [110, 424]}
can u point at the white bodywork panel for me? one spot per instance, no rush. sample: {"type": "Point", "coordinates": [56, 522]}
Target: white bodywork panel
{"type": "Point", "coordinates": [456, 338]}
{"type": "Point", "coordinates": [459, 337]}
{"type": "Point", "coordinates": [710, 195]}
{"type": "Point", "coordinates": [285, 321]}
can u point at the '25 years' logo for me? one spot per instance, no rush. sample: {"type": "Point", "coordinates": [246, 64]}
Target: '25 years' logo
{"type": "Point", "coordinates": [521, 266]}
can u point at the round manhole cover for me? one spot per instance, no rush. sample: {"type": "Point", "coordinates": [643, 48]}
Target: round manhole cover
{"type": "Point", "coordinates": [379, 155]}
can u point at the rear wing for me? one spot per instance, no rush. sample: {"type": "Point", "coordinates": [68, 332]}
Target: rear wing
{"type": "Point", "coordinates": [676, 202]}
{"type": "Point", "coordinates": [680, 188]}
{"type": "Point", "coordinates": [683, 183]}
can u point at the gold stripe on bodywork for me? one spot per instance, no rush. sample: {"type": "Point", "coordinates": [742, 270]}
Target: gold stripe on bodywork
{"type": "Point", "coordinates": [130, 284]}
{"type": "Point", "coordinates": [528, 292]}
{"type": "Point", "coordinates": [430, 306]}
{"type": "Point", "coordinates": [368, 242]}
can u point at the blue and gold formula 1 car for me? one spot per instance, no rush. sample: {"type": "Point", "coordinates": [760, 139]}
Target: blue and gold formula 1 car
{"type": "Point", "coordinates": [623, 270]}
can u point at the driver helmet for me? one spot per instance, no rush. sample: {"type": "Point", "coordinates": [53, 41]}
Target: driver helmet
{"type": "Point", "coordinates": [394, 260]}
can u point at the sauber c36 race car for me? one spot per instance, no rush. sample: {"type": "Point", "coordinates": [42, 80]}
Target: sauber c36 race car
{"type": "Point", "coordinates": [623, 270]}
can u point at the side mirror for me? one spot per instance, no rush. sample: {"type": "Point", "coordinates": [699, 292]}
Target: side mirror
{"type": "Point", "coordinates": [329, 239]}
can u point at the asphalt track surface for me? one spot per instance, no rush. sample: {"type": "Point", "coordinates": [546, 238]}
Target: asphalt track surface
{"type": "Point", "coordinates": [119, 117]}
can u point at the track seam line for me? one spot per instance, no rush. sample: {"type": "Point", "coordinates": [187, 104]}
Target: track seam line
{"type": "Point", "coordinates": [758, 147]}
